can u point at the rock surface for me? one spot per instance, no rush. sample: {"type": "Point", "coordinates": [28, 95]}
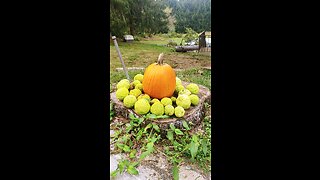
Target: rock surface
{"type": "Point", "coordinates": [155, 167]}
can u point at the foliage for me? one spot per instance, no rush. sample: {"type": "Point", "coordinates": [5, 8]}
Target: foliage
{"type": "Point", "coordinates": [111, 111]}
{"type": "Point", "coordinates": [138, 135]}
{"type": "Point", "coordinates": [136, 17]}
{"type": "Point", "coordinates": [190, 35]}
{"type": "Point", "coordinates": [172, 43]}
{"type": "Point", "coordinates": [152, 17]}
{"type": "Point", "coordinates": [140, 138]}
{"type": "Point", "coordinates": [190, 145]}
{"type": "Point", "coordinates": [191, 14]}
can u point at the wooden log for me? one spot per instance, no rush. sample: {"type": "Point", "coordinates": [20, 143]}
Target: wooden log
{"type": "Point", "coordinates": [194, 114]}
{"type": "Point", "coordinates": [186, 48]}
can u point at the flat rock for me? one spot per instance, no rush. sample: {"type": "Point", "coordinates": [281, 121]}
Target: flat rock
{"type": "Point", "coordinates": [186, 173]}
{"type": "Point", "coordinates": [155, 167]}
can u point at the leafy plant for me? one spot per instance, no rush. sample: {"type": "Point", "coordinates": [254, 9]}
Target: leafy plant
{"type": "Point", "coordinates": [139, 134]}
{"type": "Point", "coordinates": [181, 144]}
{"type": "Point", "coordinates": [111, 111]}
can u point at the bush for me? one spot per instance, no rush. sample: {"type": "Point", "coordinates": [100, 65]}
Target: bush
{"type": "Point", "coordinates": [191, 35]}
{"type": "Point", "coordinates": [172, 43]}
{"type": "Point", "coordinates": [172, 34]}
{"type": "Point", "coordinates": [137, 38]}
{"type": "Point", "coordinates": [179, 35]}
{"type": "Point", "coordinates": [164, 35]}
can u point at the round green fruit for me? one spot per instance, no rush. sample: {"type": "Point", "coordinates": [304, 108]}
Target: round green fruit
{"type": "Point", "coordinates": [145, 96]}
{"type": "Point", "coordinates": [184, 91]}
{"type": "Point", "coordinates": [157, 109]}
{"type": "Point", "coordinates": [138, 77]}
{"type": "Point", "coordinates": [183, 101]}
{"type": "Point", "coordinates": [121, 93]}
{"type": "Point", "coordinates": [173, 99]}
{"type": "Point", "coordinates": [129, 101]}
{"type": "Point", "coordinates": [142, 106]}
{"type": "Point", "coordinates": [194, 99]}
{"type": "Point", "coordinates": [139, 86]}
{"type": "Point", "coordinates": [154, 101]}
{"type": "Point", "coordinates": [135, 92]}
{"type": "Point", "coordinates": [179, 111]}
{"type": "Point", "coordinates": [165, 101]}
{"type": "Point", "coordinates": [123, 83]}
{"type": "Point", "coordinates": [135, 82]}
{"type": "Point", "coordinates": [169, 110]}
{"type": "Point", "coordinates": [193, 88]}
{"type": "Point", "coordinates": [179, 88]}
{"type": "Point", "coordinates": [178, 81]}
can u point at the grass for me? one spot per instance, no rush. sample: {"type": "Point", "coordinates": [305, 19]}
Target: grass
{"type": "Point", "coordinates": [136, 53]}
{"type": "Point", "coordinates": [144, 52]}
{"type": "Point", "coordinates": [162, 41]}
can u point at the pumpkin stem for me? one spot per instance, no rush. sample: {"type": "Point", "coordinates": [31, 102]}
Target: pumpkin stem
{"type": "Point", "coordinates": [160, 59]}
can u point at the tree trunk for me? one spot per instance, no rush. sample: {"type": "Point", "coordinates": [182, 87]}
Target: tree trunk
{"type": "Point", "coordinates": [186, 48]}
{"type": "Point", "coordinates": [194, 114]}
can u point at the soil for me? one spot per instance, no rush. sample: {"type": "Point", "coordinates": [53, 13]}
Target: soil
{"type": "Point", "coordinates": [185, 61]}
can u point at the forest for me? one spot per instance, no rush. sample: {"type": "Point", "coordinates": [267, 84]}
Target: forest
{"type": "Point", "coordinates": [149, 17]}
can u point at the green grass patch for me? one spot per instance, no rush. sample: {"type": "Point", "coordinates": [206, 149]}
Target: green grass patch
{"type": "Point", "coordinates": [196, 75]}
{"type": "Point", "coordinates": [146, 51]}
{"type": "Point", "coordinates": [136, 53]}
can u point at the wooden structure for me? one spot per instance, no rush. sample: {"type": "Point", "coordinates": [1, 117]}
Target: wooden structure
{"type": "Point", "coordinates": [194, 114]}
{"type": "Point", "coordinates": [203, 38]}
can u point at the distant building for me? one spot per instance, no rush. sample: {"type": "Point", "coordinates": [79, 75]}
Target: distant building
{"type": "Point", "coordinates": [205, 41]}
{"type": "Point", "coordinates": [128, 38]}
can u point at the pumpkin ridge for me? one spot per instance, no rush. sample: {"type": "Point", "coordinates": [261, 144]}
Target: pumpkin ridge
{"type": "Point", "coordinates": [149, 78]}
{"type": "Point", "coordinates": [152, 80]}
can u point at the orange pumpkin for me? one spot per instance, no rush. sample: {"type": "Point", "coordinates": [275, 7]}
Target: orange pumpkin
{"type": "Point", "coordinates": [159, 79]}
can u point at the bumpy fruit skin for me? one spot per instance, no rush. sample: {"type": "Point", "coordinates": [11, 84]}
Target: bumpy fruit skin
{"type": "Point", "coordinates": [123, 83]}
{"type": "Point", "coordinates": [185, 91]}
{"type": "Point", "coordinates": [179, 88]}
{"type": "Point", "coordinates": [135, 92]}
{"type": "Point", "coordinates": [139, 86]}
{"type": "Point", "coordinates": [142, 106]}
{"type": "Point", "coordinates": [122, 93]}
{"type": "Point", "coordinates": [194, 99]}
{"type": "Point", "coordinates": [145, 96]}
{"type": "Point", "coordinates": [157, 109]}
{"type": "Point", "coordinates": [178, 81]}
{"type": "Point", "coordinates": [165, 101]}
{"type": "Point", "coordinates": [135, 82]}
{"type": "Point", "coordinates": [125, 80]}
{"type": "Point", "coordinates": [173, 99]}
{"type": "Point", "coordinates": [138, 77]}
{"type": "Point", "coordinates": [179, 111]}
{"type": "Point", "coordinates": [183, 101]}
{"type": "Point", "coordinates": [169, 110]}
{"type": "Point", "coordinates": [154, 101]}
{"type": "Point", "coordinates": [193, 88]}
{"type": "Point", "coordinates": [129, 101]}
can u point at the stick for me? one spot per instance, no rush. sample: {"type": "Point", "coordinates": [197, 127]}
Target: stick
{"type": "Point", "coordinates": [119, 54]}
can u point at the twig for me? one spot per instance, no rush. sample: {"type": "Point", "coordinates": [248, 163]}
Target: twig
{"type": "Point", "coordinates": [161, 152]}
{"type": "Point", "coordinates": [150, 133]}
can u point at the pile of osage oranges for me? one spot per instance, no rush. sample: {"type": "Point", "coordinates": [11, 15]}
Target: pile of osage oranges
{"type": "Point", "coordinates": [133, 97]}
